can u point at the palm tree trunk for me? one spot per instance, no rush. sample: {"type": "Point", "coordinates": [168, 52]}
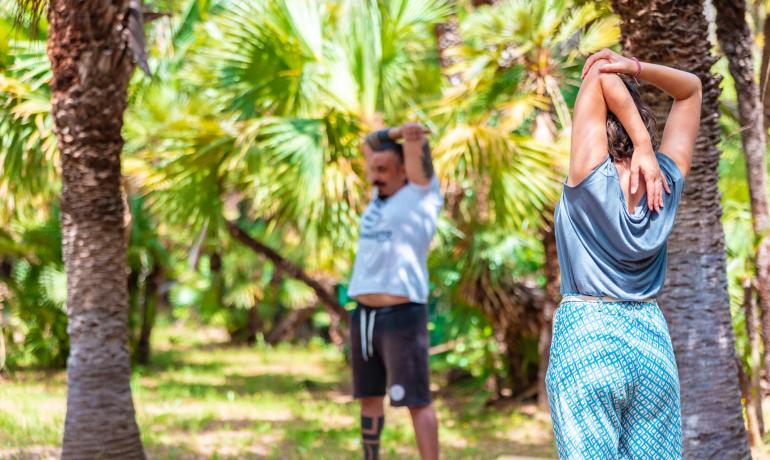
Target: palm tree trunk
{"type": "Point", "coordinates": [149, 311]}
{"type": "Point", "coordinates": [736, 41]}
{"type": "Point", "coordinates": [751, 390]}
{"type": "Point", "coordinates": [544, 130]}
{"type": "Point", "coordinates": [91, 68]}
{"type": "Point", "coordinates": [755, 438]}
{"type": "Point", "coordinates": [550, 301]}
{"type": "Point", "coordinates": [694, 299]}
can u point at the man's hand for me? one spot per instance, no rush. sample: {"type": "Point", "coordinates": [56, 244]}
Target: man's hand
{"type": "Point", "coordinates": [411, 132]}
{"type": "Point", "coordinates": [644, 163]}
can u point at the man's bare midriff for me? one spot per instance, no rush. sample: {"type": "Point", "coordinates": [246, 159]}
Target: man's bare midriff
{"type": "Point", "coordinates": [381, 300]}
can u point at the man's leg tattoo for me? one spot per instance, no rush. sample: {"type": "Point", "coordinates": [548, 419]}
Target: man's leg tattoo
{"type": "Point", "coordinates": [371, 428]}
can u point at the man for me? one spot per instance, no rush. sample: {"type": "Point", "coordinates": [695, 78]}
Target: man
{"type": "Point", "coordinates": [389, 333]}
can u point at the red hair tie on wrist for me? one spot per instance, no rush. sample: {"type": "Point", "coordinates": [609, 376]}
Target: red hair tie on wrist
{"type": "Point", "coordinates": [638, 67]}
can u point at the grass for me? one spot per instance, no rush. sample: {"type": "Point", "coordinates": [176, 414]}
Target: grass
{"type": "Point", "coordinates": [201, 399]}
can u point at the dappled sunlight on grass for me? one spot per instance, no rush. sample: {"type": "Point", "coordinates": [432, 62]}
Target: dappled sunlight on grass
{"type": "Point", "coordinates": [199, 401]}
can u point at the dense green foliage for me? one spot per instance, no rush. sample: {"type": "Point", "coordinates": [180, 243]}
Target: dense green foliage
{"type": "Point", "coordinates": [254, 115]}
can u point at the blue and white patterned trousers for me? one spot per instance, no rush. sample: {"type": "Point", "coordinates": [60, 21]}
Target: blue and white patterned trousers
{"type": "Point", "coordinates": [612, 383]}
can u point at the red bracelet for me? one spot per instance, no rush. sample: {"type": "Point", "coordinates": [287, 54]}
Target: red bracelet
{"type": "Point", "coordinates": [638, 67]}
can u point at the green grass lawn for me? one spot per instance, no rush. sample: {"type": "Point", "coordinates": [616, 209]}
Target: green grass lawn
{"type": "Point", "coordinates": [201, 399]}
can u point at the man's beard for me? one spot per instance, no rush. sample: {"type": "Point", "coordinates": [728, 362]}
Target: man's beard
{"type": "Point", "coordinates": [379, 184]}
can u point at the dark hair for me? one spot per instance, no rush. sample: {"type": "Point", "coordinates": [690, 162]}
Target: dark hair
{"type": "Point", "coordinates": [618, 140]}
{"type": "Point", "coordinates": [390, 146]}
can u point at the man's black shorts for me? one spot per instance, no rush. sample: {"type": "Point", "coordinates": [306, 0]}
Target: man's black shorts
{"type": "Point", "coordinates": [390, 352]}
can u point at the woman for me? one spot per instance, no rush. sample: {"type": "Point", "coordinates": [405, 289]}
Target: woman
{"type": "Point", "coordinates": [612, 379]}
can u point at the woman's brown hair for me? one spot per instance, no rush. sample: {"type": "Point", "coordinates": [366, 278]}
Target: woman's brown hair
{"type": "Point", "coordinates": [618, 140]}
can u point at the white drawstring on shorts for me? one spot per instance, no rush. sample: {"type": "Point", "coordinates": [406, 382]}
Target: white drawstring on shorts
{"type": "Point", "coordinates": [367, 334]}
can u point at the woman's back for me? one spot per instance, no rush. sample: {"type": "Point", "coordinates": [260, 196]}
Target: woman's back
{"type": "Point", "coordinates": [605, 250]}
{"type": "Point", "coordinates": [605, 246]}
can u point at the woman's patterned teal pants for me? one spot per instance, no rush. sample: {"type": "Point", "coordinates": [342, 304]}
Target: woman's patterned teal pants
{"type": "Point", "coordinates": [612, 382]}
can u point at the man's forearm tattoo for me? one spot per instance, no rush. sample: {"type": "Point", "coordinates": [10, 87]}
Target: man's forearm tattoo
{"type": "Point", "coordinates": [427, 161]}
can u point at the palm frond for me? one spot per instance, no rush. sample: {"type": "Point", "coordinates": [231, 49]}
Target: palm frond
{"type": "Point", "coordinates": [28, 150]}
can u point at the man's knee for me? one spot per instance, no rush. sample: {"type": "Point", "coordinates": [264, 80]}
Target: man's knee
{"type": "Point", "coordinates": [372, 405]}
{"type": "Point", "coordinates": [423, 411]}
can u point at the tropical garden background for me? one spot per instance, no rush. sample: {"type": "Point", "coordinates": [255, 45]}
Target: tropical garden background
{"type": "Point", "coordinates": [180, 184]}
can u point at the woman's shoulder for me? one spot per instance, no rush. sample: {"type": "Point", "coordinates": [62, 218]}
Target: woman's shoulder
{"type": "Point", "coordinates": [596, 177]}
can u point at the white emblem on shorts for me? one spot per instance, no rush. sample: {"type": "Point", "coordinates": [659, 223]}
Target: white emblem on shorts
{"type": "Point", "coordinates": [397, 392]}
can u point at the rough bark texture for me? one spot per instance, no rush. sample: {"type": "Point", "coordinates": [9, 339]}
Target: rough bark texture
{"type": "Point", "coordinates": [752, 393]}
{"type": "Point", "coordinates": [736, 41]}
{"type": "Point", "coordinates": [550, 302]}
{"type": "Point", "coordinates": [694, 299]}
{"type": "Point", "coordinates": [91, 68]}
{"type": "Point", "coordinates": [751, 420]}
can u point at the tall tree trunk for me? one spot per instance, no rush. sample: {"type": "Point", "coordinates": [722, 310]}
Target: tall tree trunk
{"type": "Point", "coordinates": [751, 390]}
{"type": "Point", "coordinates": [550, 302]}
{"type": "Point", "coordinates": [149, 310]}
{"type": "Point", "coordinates": [253, 324]}
{"type": "Point", "coordinates": [694, 298]}
{"type": "Point", "coordinates": [91, 66]}
{"type": "Point", "coordinates": [544, 131]}
{"type": "Point", "coordinates": [755, 438]}
{"type": "Point", "coordinates": [737, 41]}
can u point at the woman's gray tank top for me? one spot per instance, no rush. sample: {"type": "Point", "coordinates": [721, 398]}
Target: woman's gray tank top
{"type": "Point", "coordinates": [603, 249]}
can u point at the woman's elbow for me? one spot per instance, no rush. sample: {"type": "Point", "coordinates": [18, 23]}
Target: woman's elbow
{"type": "Point", "coordinates": [697, 87]}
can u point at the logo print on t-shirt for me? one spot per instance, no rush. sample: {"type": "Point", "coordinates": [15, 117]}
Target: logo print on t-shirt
{"type": "Point", "coordinates": [371, 219]}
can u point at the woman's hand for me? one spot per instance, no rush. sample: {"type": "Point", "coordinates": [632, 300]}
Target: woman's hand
{"type": "Point", "coordinates": [615, 63]}
{"type": "Point", "coordinates": [645, 163]}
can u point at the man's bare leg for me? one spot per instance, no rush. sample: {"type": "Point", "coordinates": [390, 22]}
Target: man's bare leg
{"type": "Point", "coordinates": [372, 421]}
{"type": "Point", "coordinates": [425, 430]}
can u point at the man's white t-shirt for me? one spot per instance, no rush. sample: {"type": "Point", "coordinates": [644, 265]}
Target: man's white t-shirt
{"type": "Point", "coordinates": [394, 238]}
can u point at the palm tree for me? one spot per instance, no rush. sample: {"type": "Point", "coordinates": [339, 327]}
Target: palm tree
{"type": "Point", "coordinates": [694, 299]}
{"type": "Point", "coordinates": [283, 98]}
{"type": "Point", "coordinates": [736, 41]}
{"type": "Point", "coordinates": [28, 151]}
{"type": "Point", "coordinates": [91, 63]}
